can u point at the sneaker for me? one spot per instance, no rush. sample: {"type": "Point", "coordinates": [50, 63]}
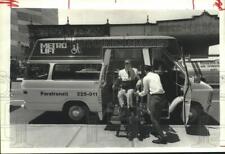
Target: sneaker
{"type": "Point", "coordinates": [160, 141]}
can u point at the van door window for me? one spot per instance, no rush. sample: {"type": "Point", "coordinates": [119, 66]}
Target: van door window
{"type": "Point", "coordinates": [37, 72]}
{"type": "Point", "coordinates": [121, 54]}
{"type": "Point", "coordinates": [76, 72]}
{"type": "Point", "coordinates": [118, 55]}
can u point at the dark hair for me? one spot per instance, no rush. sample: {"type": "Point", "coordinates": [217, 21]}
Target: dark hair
{"type": "Point", "coordinates": [148, 68]}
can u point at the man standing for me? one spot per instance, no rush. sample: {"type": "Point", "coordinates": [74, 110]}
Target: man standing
{"type": "Point", "coordinates": [128, 77]}
{"type": "Point", "coordinates": [156, 100]}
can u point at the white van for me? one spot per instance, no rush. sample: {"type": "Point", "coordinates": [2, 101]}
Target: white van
{"type": "Point", "coordinates": [75, 75]}
{"type": "Point", "coordinates": [205, 68]}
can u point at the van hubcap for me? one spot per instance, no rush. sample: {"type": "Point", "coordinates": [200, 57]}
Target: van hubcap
{"type": "Point", "coordinates": [76, 112]}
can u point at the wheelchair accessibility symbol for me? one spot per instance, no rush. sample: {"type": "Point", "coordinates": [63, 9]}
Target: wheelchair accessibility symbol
{"type": "Point", "coordinates": [76, 49]}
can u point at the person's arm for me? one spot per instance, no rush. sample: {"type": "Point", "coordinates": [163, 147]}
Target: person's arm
{"type": "Point", "coordinates": [138, 84]}
{"type": "Point", "coordinates": [136, 74]}
{"type": "Point", "coordinates": [145, 88]}
{"type": "Point", "coordinates": [120, 74]}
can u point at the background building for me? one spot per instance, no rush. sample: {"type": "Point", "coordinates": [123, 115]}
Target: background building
{"type": "Point", "coordinates": [20, 18]}
{"type": "Point", "coordinates": [194, 34]}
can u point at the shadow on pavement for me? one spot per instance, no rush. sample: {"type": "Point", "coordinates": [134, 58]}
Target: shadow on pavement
{"type": "Point", "coordinates": [59, 118]}
{"type": "Point", "coordinates": [112, 127]}
{"type": "Point", "coordinates": [199, 130]}
{"type": "Point", "coordinates": [13, 108]}
{"type": "Point", "coordinates": [205, 118]}
{"type": "Point", "coordinates": [171, 134]}
{"type": "Point", "coordinates": [200, 127]}
{"type": "Point", "coordinates": [208, 120]}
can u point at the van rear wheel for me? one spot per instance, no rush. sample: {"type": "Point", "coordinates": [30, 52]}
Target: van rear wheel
{"type": "Point", "coordinates": [195, 114]}
{"type": "Point", "coordinates": [77, 113]}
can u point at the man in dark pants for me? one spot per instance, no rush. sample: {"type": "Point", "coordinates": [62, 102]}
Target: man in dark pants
{"type": "Point", "coordinates": [156, 99]}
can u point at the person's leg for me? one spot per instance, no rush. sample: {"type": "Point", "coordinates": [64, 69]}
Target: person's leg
{"type": "Point", "coordinates": [155, 115]}
{"type": "Point", "coordinates": [130, 94]}
{"type": "Point", "coordinates": [155, 108]}
{"type": "Point", "coordinates": [121, 95]}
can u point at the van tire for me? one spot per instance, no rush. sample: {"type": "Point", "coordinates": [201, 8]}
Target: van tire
{"type": "Point", "coordinates": [76, 112]}
{"type": "Point", "coordinates": [175, 116]}
{"type": "Point", "coordinates": [196, 111]}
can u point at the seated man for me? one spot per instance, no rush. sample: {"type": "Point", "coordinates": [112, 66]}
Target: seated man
{"type": "Point", "coordinates": [128, 77]}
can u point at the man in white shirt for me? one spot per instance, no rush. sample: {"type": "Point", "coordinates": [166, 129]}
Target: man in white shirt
{"type": "Point", "coordinates": [128, 77]}
{"type": "Point", "coordinates": [153, 87]}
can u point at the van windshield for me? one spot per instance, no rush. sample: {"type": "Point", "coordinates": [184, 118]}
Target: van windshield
{"type": "Point", "coordinates": [36, 72]}
{"type": "Point", "coordinates": [76, 72]}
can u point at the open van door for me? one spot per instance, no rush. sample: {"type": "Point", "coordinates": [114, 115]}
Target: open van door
{"type": "Point", "coordinates": [106, 60]}
{"type": "Point", "coordinates": [107, 103]}
{"type": "Point", "coordinates": [146, 56]}
{"type": "Point", "coordinates": [187, 96]}
{"type": "Point", "coordinates": [107, 56]}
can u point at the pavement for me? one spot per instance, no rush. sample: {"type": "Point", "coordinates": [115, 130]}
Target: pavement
{"type": "Point", "coordinates": [91, 136]}
{"type": "Point", "coordinates": [37, 129]}
{"type": "Point", "coordinates": [16, 95]}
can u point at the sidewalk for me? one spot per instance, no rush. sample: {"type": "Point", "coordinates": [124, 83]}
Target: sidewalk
{"type": "Point", "coordinates": [86, 136]}
{"type": "Point", "coordinates": [16, 95]}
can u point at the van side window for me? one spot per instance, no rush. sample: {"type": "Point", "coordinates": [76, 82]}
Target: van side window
{"type": "Point", "coordinates": [76, 72]}
{"type": "Point", "coordinates": [37, 72]}
{"type": "Point", "coordinates": [120, 54]}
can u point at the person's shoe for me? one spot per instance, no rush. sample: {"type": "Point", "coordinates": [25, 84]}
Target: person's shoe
{"type": "Point", "coordinates": [154, 133]}
{"type": "Point", "coordinates": [160, 141]}
{"type": "Point", "coordinates": [130, 138]}
{"type": "Point", "coordinates": [140, 138]}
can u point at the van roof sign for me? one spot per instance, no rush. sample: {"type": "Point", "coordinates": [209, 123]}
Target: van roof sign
{"type": "Point", "coordinates": [91, 47]}
{"type": "Point", "coordinates": [63, 49]}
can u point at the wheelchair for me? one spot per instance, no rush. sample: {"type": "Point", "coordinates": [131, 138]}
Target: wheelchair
{"type": "Point", "coordinates": [132, 121]}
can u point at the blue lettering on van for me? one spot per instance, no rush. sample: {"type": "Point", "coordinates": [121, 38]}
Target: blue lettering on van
{"type": "Point", "coordinates": [53, 93]}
